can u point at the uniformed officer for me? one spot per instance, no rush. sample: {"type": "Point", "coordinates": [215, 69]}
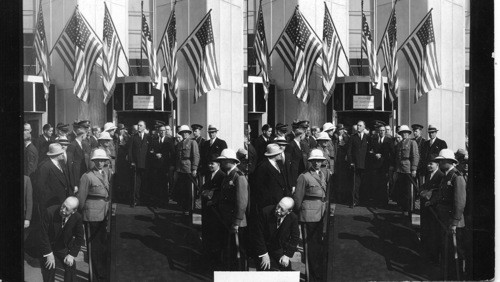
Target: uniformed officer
{"type": "Point", "coordinates": [281, 130]}
{"type": "Point", "coordinates": [197, 134]}
{"type": "Point", "coordinates": [324, 144]}
{"type": "Point", "coordinates": [104, 144]}
{"type": "Point", "coordinates": [187, 160]}
{"type": "Point", "coordinates": [407, 158]}
{"type": "Point", "coordinates": [93, 196]}
{"type": "Point", "coordinates": [450, 208]}
{"type": "Point", "coordinates": [232, 206]}
{"type": "Point", "coordinates": [422, 166]}
{"type": "Point", "coordinates": [310, 203]}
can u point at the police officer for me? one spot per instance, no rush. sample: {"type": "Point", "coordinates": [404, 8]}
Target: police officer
{"type": "Point", "coordinates": [450, 208]}
{"type": "Point", "coordinates": [187, 160]}
{"type": "Point", "coordinates": [310, 203]}
{"type": "Point", "coordinates": [93, 196]}
{"type": "Point", "coordinates": [407, 158]}
{"type": "Point", "coordinates": [233, 203]}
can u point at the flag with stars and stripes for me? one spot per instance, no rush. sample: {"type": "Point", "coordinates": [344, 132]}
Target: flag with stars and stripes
{"type": "Point", "coordinates": [41, 51]}
{"type": "Point", "coordinates": [299, 48]}
{"type": "Point", "coordinates": [261, 52]}
{"type": "Point", "coordinates": [331, 53]}
{"type": "Point", "coordinates": [111, 54]}
{"type": "Point", "coordinates": [389, 50]}
{"type": "Point", "coordinates": [420, 51]}
{"type": "Point", "coordinates": [199, 51]}
{"type": "Point", "coordinates": [149, 50]}
{"type": "Point", "coordinates": [369, 49]}
{"type": "Point", "coordinates": [79, 48]}
{"type": "Point", "coordinates": [168, 47]}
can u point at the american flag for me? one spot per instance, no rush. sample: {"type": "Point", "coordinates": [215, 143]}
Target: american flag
{"type": "Point", "coordinates": [199, 52]}
{"type": "Point", "coordinates": [111, 54]}
{"type": "Point", "coordinates": [369, 49]}
{"type": "Point", "coordinates": [261, 52]}
{"type": "Point", "coordinates": [331, 53]}
{"type": "Point", "coordinates": [420, 51]}
{"type": "Point", "coordinates": [154, 67]}
{"type": "Point", "coordinates": [389, 49]}
{"type": "Point", "coordinates": [42, 52]}
{"type": "Point", "coordinates": [168, 46]}
{"type": "Point", "coordinates": [79, 48]}
{"type": "Point", "coordinates": [299, 48]}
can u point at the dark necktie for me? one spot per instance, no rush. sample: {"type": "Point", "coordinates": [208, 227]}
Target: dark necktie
{"type": "Point", "coordinates": [64, 222]}
{"type": "Point", "coordinates": [278, 223]}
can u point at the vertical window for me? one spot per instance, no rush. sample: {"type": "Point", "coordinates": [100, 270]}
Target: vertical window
{"type": "Point", "coordinates": [138, 66]}
{"type": "Point", "coordinates": [358, 66]}
{"type": "Point", "coordinates": [29, 58]}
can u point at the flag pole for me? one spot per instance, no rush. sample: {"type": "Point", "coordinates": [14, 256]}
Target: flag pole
{"type": "Point", "coordinates": [142, 31]}
{"type": "Point", "coordinates": [76, 8]}
{"type": "Point", "coordinates": [165, 31]}
{"type": "Point", "coordinates": [283, 31]}
{"type": "Point", "coordinates": [419, 24]}
{"type": "Point", "coordinates": [341, 45]}
{"type": "Point", "coordinates": [118, 37]}
{"type": "Point", "coordinates": [362, 13]}
{"type": "Point", "coordinates": [194, 30]}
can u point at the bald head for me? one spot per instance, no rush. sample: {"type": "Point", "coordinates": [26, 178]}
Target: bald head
{"type": "Point", "coordinates": [69, 206]}
{"type": "Point", "coordinates": [286, 202]}
{"type": "Point", "coordinates": [284, 207]}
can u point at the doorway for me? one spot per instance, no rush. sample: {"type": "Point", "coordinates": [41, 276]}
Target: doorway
{"type": "Point", "coordinates": [129, 118]}
{"type": "Point", "coordinates": [348, 119]}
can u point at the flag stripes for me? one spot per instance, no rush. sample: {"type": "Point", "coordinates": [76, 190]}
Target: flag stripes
{"type": "Point", "coordinates": [261, 52]}
{"type": "Point", "coordinates": [389, 50]}
{"type": "Point", "coordinates": [41, 51]}
{"type": "Point", "coordinates": [331, 53]}
{"type": "Point", "coordinates": [168, 47]}
{"type": "Point", "coordinates": [149, 50]}
{"type": "Point", "coordinates": [111, 54]}
{"type": "Point", "coordinates": [369, 49]}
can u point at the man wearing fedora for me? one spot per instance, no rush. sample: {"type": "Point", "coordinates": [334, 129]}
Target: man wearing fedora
{"type": "Point", "coordinates": [94, 204]}
{"type": "Point", "coordinates": [232, 207]}
{"type": "Point", "coordinates": [270, 183]}
{"type": "Point", "coordinates": [187, 162]}
{"type": "Point", "coordinates": [212, 146]}
{"type": "Point", "coordinates": [52, 179]}
{"type": "Point", "coordinates": [284, 163]}
{"type": "Point", "coordinates": [406, 162]}
{"type": "Point", "coordinates": [137, 156]}
{"type": "Point", "coordinates": [67, 162]}
{"type": "Point", "coordinates": [431, 147]}
{"type": "Point", "coordinates": [311, 204]}
{"type": "Point", "coordinates": [450, 209]}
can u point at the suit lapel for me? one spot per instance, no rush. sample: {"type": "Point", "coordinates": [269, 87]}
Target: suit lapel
{"type": "Point", "coordinates": [60, 175]}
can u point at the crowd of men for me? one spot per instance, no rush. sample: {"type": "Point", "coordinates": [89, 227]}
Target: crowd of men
{"type": "Point", "coordinates": [257, 202]}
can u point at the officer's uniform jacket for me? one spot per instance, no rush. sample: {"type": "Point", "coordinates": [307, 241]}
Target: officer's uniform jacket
{"type": "Point", "coordinates": [407, 156]}
{"type": "Point", "coordinates": [93, 195]}
{"type": "Point", "coordinates": [233, 200]}
{"type": "Point", "coordinates": [187, 156]}
{"type": "Point", "coordinates": [310, 196]}
{"type": "Point", "coordinates": [452, 199]}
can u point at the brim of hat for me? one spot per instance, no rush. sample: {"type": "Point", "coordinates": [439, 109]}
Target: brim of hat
{"type": "Point", "coordinates": [55, 154]}
{"type": "Point", "coordinates": [219, 159]}
{"type": "Point", "coordinates": [111, 128]}
{"type": "Point", "coordinates": [63, 142]}
{"type": "Point", "coordinates": [212, 130]}
{"type": "Point", "coordinates": [284, 143]}
{"type": "Point", "coordinates": [317, 158]}
{"type": "Point", "coordinates": [401, 131]}
{"type": "Point", "coordinates": [273, 154]}
{"type": "Point", "coordinates": [329, 128]}
{"type": "Point", "coordinates": [99, 158]}
{"type": "Point", "coordinates": [185, 131]}
{"type": "Point", "coordinates": [437, 159]}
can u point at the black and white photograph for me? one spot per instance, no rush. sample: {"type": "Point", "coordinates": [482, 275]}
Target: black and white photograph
{"type": "Point", "coordinates": [254, 140]}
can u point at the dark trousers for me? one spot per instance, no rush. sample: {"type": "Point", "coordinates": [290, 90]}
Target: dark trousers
{"type": "Point", "coordinates": [159, 187]}
{"type": "Point", "coordinates": [358, 179]}
{"type": "Point", "coordinates": [380, 180]}
{"type": "Point", "coordinates": [184, 191]}
{"type": "Point", "coordinates": [430, 230]}
{"type": "Point", "coordinates": [95, 232]}
{"type": "Point", "coordinates": [140, 183]}
{"type": "Point", "coordinates": [311, 233]}
{"type": "Point", "coordinates": [231, 262]}
{"type": "Point", "coordinates": [402, 191]}
{"type": "Point", "coordinates": [49, 275]}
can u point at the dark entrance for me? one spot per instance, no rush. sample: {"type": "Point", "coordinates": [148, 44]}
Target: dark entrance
{"type": "Point", "coordinates": [129, 118]}
{"type": "Point", "coordinates": [350, 118]}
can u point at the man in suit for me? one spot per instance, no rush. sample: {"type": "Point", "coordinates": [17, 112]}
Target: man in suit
{"type": "Point", "coordinates": [356, 157]}
{"type": "Point", "coordinates": [310, 204]}
{"type": "Point", "coordinates": [431, 148]}
{"type": "Point", "coordinates": [78, 149]}
{"type": "Point", "coordinates": [187, 162]}
{"type": "Point", "coordinates": [30, 155]}
{"type": "Point", "coordinates": [276, 236]}
{"type": "Point", "coordinates": [298, 150]}
{"type": "Point", "coordinates": [281, 130]}
{"type": "Point", "coordinates": [381, 157]}
{"type": "Point", "coordinates": [62, 130]}
{"type": "Point", "coordinates": [93, 195]}
{"type": "Point", "coordinates": [429, 224]}
{"type": "Point", "coordinates": [310, 139]}
{"type": "Point", "coordinates": [406, 162]}
{"type": "Point", "coordinates": [450, 209]}
{"type": "Point", "coordinates": [137, 154]}
{"type": "Point", "coordinates": [43, 141]}
{"type": "Point", "coordinates": [96, 130]}
{"type": "Point", "coordinates": [210, 147]}
{"type": "Point", "coordinates": [67, 162]}
{"type": "Point", "coordinates": [211, 225]}
{"type": "Point", "coordinates": [343, 189]}
{"type": "Point", "coordinates": [252, 155]}
{"type": "Point", "coordinates": [270, 183]}
{"type": "Point", "coordinates": [285, 162]}
{"type": "Point", "coordinates": [163, 160]}
{"type": "Point", "coordinates": [232, 207]}
{"type": "Point", "coordinates": [61, 237]}
{"type": "Point", "coordinates": [27, 127]}
{"type": "Point", "coordinates": [52, 179]}
{"type": "Point", "coordinates": [262, 141]}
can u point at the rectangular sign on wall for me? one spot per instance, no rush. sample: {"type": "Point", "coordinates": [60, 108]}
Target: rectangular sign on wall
{"type": "Point", "coordinates": [143, 102]}
{"type": "Point", "coordinates": [363, 102]}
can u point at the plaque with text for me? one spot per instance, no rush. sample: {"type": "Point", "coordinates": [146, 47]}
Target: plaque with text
{"type": "Point", "coordinates": [144, 102]}
{"type": "Point", "coordinates": [363, 102]}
